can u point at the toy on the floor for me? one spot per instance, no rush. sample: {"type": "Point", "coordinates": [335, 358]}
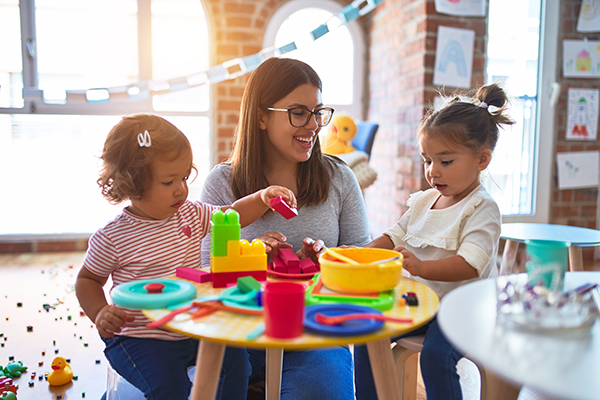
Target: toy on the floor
{"type": "Point", "coordinates": [6, 385]}
{"type": "Point", "coordinates": [278, 204]}
{"type": "Point", "coordinates": [340, 133]}
{"type": "Point", "coordinates": [232, 258]}
{"type": "Point", "coordinates": [152, 293]}
{"type": "Point", "coordinates": [61, 372]}
{"type": "Point", "coordinates": [14, 369]}
{"type": "Point", "coordinates": [8, 396]}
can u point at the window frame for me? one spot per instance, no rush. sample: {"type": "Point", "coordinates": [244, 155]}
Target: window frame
{"type": "Point", "coordinates": [357, 107]}
{"type": "Point", "coordinates": [547, 94]}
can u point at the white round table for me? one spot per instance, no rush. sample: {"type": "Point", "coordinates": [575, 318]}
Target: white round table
{"type": "Point", "coordinates": [563, 366]}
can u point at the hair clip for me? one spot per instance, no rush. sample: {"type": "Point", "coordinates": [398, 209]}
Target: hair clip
{"type": "Point", "coordinates": [484, 105]}
{"type": "Point", "coordinates": [144, 139]}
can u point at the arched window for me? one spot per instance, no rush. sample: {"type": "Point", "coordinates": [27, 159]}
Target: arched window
{"type": "Point", "coordinates": [338, 56]}
{"type": "Point", "coordinates": [50, 143]}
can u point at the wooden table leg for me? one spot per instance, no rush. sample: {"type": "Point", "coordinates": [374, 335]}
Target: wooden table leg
{"type": "Point", "coordinates": [509, 256]}
{"type": "Point", "coordinates": [575, 258]}
{"type": "Point", "coordinates": [274, 359]}
{"type": "Point", "coordinates": [208, 369]}
{"type": "Point", "coordinates": [384, 372]}
{"type": "Point", "coordinates": [500, 389]}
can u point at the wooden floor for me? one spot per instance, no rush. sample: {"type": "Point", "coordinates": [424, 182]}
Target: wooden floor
{"type": "Point", "coordinates": [35, 279]}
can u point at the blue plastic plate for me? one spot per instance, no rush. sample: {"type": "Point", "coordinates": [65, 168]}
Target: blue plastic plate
{"type": "Point", "coordinates": [133, 295]}
{"type": "Point", "coordinates": [348, 328]}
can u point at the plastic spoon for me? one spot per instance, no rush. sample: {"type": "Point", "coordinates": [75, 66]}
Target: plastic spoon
{"type": "Point", "coordinates": [340, 257]}
{"type": "Point", "coordinates": [338, 319]}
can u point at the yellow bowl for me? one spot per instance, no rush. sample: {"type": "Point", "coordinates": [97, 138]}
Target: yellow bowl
{"type": "Point", "coordinates": [367, 276]}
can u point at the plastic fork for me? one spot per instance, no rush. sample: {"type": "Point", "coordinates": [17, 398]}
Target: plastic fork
{"type": "Point", "coordinates": [338, 319]}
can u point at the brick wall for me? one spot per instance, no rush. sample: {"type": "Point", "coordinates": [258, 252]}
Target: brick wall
{"type": "Point", "coordinates": [402, 37]}
{"type": "Point", "coordinates": [577, 207]}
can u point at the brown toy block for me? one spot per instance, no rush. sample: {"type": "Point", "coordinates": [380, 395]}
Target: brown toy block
{"type": "Point", "coordinates": [192, 274]}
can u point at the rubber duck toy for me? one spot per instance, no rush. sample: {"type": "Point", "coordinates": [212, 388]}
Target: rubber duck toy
{"type": "Point", "coordinates": [340, 133]}
{"type": "Point", "coordinates": [61, 372]}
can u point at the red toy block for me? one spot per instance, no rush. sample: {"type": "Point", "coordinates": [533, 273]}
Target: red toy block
{"type": "Point", "coordinates": [289, 258]}
{"type": "Point", "coordinates": [221, 279]}
{"type": "Point", "coordinates": [278, 204]}
{"type": "Point", "coordinates": [308, 266]}
{"type": "Point", "coordinates": [279, 265]}
{"type": "Point", "coordinates": [192, 274]}
{"type": "Point", "coordinates": [294, 270]}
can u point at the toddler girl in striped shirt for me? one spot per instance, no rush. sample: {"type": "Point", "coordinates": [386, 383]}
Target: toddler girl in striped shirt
{"type": "Point", "coordinates": [148, 161]}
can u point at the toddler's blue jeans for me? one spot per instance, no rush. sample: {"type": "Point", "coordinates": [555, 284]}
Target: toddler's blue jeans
{"type": "Point", "coordinates": [310, 374]}
{"type": "Point", "coordinates": [159, 367]}
{"type": "Point", "coordinates": [438, 366]}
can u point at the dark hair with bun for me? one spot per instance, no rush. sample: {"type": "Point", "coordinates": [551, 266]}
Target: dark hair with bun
{"type": "Point", "coordinates": [473, 124]}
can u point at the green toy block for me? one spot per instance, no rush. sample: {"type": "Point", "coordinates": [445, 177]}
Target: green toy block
{"type": "Point", "coordinates": [248, 283]}
{"type": "Point", "coordinates": [224, 227]}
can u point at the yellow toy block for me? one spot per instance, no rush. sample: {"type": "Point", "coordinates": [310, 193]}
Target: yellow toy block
{"type": "Point", "coordinates": [241, 256]}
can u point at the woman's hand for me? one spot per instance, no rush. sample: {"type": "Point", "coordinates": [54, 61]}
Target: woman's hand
{"type": "Point", "coordinates": [411, 263]}
{"type": "Point", "coordinates": [266, 195]}
{"type": "Point", "coordinates": [273, 241]}
{"type": "Point", "coordinates": [111, 319]}
{"type": "Point", "coordinates": [311, 249]}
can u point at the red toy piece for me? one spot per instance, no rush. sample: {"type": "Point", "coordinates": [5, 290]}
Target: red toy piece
{"type": "Point", "coordinates": [192, 274]}
{"type": "Point", "coordinates": [279, 205]}
{"type": "Point", "coordinates": [307, 265]}
{"type": "Point", "coordinates": [221, 279]}
{"type": "Point", "coordinates": [279, 265]}
{"type": "Point", "coordinates": [289, 258]}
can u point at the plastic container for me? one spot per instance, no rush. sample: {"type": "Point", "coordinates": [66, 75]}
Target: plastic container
{"type": "Point", "coordinates": [283, 304]}
{"type": "Point", "coordinates": [368, 276]}
{"type": "Point", "coordinates": [547, 263]}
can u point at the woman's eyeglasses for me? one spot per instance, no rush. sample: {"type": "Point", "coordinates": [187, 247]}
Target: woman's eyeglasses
{"type": "Point", "coordinates": [301, 116]}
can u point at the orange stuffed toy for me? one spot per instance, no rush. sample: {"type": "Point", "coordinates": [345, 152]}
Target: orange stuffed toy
{"type": "Point", "coordinates": [340, 133]}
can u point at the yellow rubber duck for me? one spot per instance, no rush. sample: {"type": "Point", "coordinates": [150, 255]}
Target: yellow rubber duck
{"type": "Point", "coordinates": [61, 372]}
{"type": "Point", "coordinates": [340, 133]}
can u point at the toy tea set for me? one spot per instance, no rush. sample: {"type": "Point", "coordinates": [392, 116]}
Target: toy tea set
{"type": "Point", "coordinates": [537, 302]}
{"type": "Point", "coordinates": [349, 289]}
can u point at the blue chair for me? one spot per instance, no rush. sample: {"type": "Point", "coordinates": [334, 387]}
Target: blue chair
{"type": "Point", "coordinates": [365, 136]}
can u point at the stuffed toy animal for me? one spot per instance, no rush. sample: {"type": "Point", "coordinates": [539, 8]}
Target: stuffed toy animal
{"type": "Point", "coordinates": [340, 133]}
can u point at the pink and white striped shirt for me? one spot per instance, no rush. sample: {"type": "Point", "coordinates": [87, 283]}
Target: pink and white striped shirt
{"type": "Point", "coordinates": [134, 248]}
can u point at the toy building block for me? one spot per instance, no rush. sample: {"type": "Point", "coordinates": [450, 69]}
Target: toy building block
{"type": "Point", "coordinates": [411, 298]}
{"type": "Point", "coordinates": [241, 256]}
{"type": "Point", "coordinates": [294, 270]}
{"type": "Point", "coordinates": [192, 274]}
{"type": "Point", "coordinates": [278, 265]}
{"type": "Point", "coordinates": [308, 266]}
{"type": "Point", "coordinates": [224, 227]}
{"type": "Point", "coordinates": [278, 204]}
{"type": "Point", "coordinates": [221, 279]}
{"type": "Point", "coordinates": [289, 258]}
{"type": "Point", "coordinates": [248, 283]}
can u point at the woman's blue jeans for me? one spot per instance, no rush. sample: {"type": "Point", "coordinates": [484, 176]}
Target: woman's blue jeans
{"type": "Point", "coordinates": [438, 366]}
{"type": "Point", "coordinates": [159, 367]}
{"type": "Point", "coordinates": [310, 374]}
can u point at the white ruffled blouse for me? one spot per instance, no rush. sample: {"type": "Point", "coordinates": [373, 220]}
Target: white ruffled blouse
{"type": "Point", "coordinates": [469, 228]}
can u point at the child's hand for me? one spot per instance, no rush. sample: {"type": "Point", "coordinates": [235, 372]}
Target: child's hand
{"type": "Point", "coordinates": [273, 241]}
{"type": "Point", "coordinates": [111, 319]}
{"type": "Point", "coordinates": [311, 249]}
{"type": "Point", "coordinates": [266, 195]}
{"type": "Point", "coordinates": [411, 263]}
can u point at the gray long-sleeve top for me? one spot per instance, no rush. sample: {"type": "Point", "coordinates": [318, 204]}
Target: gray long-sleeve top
{"type": "Point", "coordinates": [340, 220]}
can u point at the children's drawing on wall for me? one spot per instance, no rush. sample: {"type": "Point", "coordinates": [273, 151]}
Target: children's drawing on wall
{"type": "Point", "coordinates": [578, 170]}
{"type": "Point", "coordinates": [469, 8]}
{"type": "Point", "coordinates": [589, 16]}
{"type": "Point", "coordinates": [581, 58]}
{"type": "Point", "coordinates": [582, 119]}
{"type": "Point", "coordinates": [453, 57]}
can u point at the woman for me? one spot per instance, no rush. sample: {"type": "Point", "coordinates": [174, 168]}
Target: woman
{"type": "Point", "coordinates": [277, 144]}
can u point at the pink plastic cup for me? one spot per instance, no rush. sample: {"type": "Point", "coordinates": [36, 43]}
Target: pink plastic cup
{"type": "Point", "coordinates": [284, 309]}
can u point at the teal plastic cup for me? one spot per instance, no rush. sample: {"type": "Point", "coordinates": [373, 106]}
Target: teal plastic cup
{"type": "Point", "coordinates": [547, 263]}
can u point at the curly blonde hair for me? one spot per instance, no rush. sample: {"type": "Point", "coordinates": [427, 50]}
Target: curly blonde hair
{"type": "Point", "coordinates": [127, 166]}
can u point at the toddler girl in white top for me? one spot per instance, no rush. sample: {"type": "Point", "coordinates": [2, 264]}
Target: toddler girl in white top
{"type": "Point", "coordinates": [450, 233]}
{"type": "Point", "coordinates": [147, 160]}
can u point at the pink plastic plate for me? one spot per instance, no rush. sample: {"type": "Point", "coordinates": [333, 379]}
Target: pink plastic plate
{"type": "Point", "coordinates": [291, 276]}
